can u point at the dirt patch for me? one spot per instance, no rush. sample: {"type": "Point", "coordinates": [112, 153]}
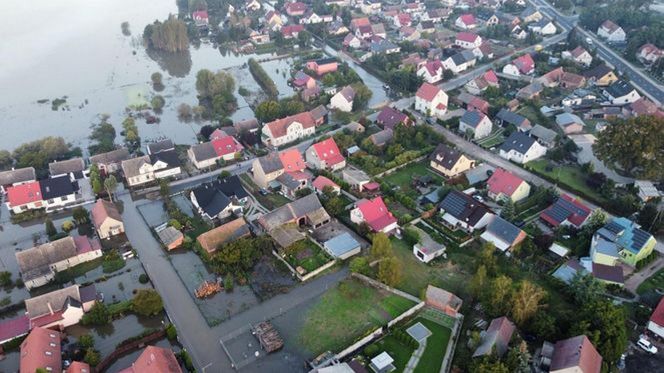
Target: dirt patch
{"type": "Point", "coordinates": [270, 277]}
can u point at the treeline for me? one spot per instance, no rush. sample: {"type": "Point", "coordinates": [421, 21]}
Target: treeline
{"type": "Point", "coordinates": [170, 35]}
{"type": "Point", "coordinates": [262, 78]}
{"type": "Point", "coordinates": [38, 154]}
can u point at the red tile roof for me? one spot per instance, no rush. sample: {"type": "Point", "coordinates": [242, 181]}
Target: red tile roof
{"type": "Point", "coordinates": [278, 128]}
{"type": "Point", "coordinates": [291, 30]}
{"type": "Point", "coordinates": [78, 367]}
{"type": "Point", "coordinates": [200, 14]}
{"type": "Point", "coordinates": [578, 51]}
{"type": "Point", "coordinates": [16, 327]}
{"type": "Point", "coordinates": [576, 352]}
{"type": "Point", "coordinates": [427, 92]}
{"type": "Point", "coordinates": [23, 194]}
{"type": "Point", "coordinates": [566, 208]}
{"type": "Point", "coordinates": [41, 349]}
{"type": "Point", "coordinates": [491, 77]}
{"type": "Point", "coordinates": [376, 214]}
{"type": "Point", "coordinates": [103, 210]}
{"type": "Point", "coordinates": [658, 315]}
{"type": "Point", "coordinates": [155, 360]}
{"type": "Point", "coordinates": [468, 19]}
{"type": "Point", "coordinates": [372, 186]}
{"type": "Point", "coordinates": [504, 182]}
{"type": "Point", "coordinates": [610, 26]}
{"type": "Point", "coordinates": [226, 145]}
{"type": "Point", "coordinates": [524, 63]}
{"type": "Point", "coordinates": [467, 37]}
{"type": "Point", "coordinates": [433, 66]}
{"type": "Point", "coordinates": [292, 160]}
{"type": "Point", "coordinates": [321, 182]}
{"type": "Point", "coordinates": [328, 151]}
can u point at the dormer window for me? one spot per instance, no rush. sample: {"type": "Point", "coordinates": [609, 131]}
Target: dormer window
{"type": "Point", "coordinates": [48, 353]}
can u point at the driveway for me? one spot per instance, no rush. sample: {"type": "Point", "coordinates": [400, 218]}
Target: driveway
{"type": "Point", "coordinates": [633, 282]}
{"type": "Point", "coordinates": [585, 142]}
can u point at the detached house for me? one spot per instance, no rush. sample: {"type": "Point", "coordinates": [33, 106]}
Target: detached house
{"type": "Point", "coordinates": [343, 100]}
{"type": "Point", "coordinates": [325, 155]}
{"type": "Point", "coordinates": [656, 322]}
{"type": "Point", "coordinates": [73, 168]}
{"type": "Point", "coordinates": [576, 354]}
{"type": "Point", "coordinates": [282, 223]}
{"type": "Point", "coordinates": [141, 170]}
{"type": "Point", "coordinates": [24, 197]}
{"type": "Point", "coordinates": [570, 123]}
{"type": "Point", "coordinates": [430, 71]}
{"type": "Point", "coordinates": [352, 41]}
{"type": "Point", "coordinates": [521, 148]}
{"type": "Point", "coordinates": [531, 14]}
{"type": "Point", "coordinates": [461, 211]}
{"type": "Point", "coordinates": [431, 100]}
{"type": "Point", "coordinates": [461, 61]}
{"type": "Point", "coordinates": [466, 21]}
{"type": "Point", "coordinates": [496, 338]}
{"type": "Point", "coordinates": [295, 9]}
{"type": "Point", "coordinates": [543, 27]}
{"type": "Point", "coordinates": [106, 219]}
{"type": "Point", "coordinates": [476, 123]}
{"type": "Point", "coordinates": [482, 82]}
{"type": "Point", "coordinates": [468, 40]}
{"type": "Point", "coordinates": [504, 185]}
{"type": "Point", "coordinates": [579, 55]}
{"type": "Point", "coordinates": [211, 240]}
{"type": "Point", "coordinates": [291, 31]}
{"type": "Point", "coordinates": [323, 66]}
{"type": "Point", "coordinates": [625, 240]}
{"type": "Point", "coordinates": [450, 162]}
{"type": "Point", "coordinates": [219, 198]}
{"type": "Point", "coordinates": [503, 234]}
{"type": "Point", "coordinates": [566, 211]}
{"type": "Point", "coordinates": [506, 117]}
{"type": "Point", "coordinates": [268, 168]}
{"type": "Point", "coordinates": [286, 130]}
{"type": "Point", "coordinates": [621, 93]}
{"type": "Point", "coordinates": [523, 65]}
{"type": "Point", "coordinates": [41, 349]}
{"type": "Point", "coordinates": [273, 20]}
{"type": "Point", "coordinates": [389, 118]}
{"type": "Point", "coordinates": [601, 75]}
{"type": "Point", "coordinates": [611, 32]}
{"type": "Point", "coordinates": [649, 53]}
{"type": "Point", "coordinates": [155, 359]}
{"type": "Point", "coordinates": [375, 214]}
{"type": "Point", "coordinates": [207, 154]}
{"type": "Point", "coordinates": [16, 177]}
{"type": "Point", "coordinates": [60, 308]}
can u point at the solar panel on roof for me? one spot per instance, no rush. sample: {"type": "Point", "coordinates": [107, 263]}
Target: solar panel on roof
{"type": "Point", "coordinates": [640, 238]}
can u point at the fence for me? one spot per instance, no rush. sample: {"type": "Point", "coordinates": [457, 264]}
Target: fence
{"type": "Point", "coordinates": [129, 347]}
{"type": "Point", "coordinates": [406, 314]}
{"type": "Point", "coordinates": [396, 168]}
{"type": "Point", "coordinates": [308, 275]}
{"type": "Point", "coordinates": [380, 285]}
{"type": "Point", "coordinates": [451, 345]}
{"type": "Point", "coordinates": [357, 345]}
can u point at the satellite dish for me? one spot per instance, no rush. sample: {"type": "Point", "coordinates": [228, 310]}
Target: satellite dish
{"type": "Point", "coordinates": [257, 353]}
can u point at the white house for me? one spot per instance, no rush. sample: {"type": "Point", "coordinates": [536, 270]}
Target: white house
{"type": "Point", "coordinates": [460, 61]}
{"type": "Point", "coordinates": [58, 192]}
{"type": "Point", "coordinates": [141, 170]}
{"type": "Point", "coordinates": [656, 322]}
{"type": "Point", "coordinates": [468, 40]}
{"type": "Point", "coordinates": [466, 22]}
{"type": "Point", "coordinates": [343, 100]}
{"type": "Point", "coordinates": [285, 130]}
{"type": "Point", "coordinates": [476, 122]}
{"type": "Point", "coordinates": [325, 155]}
{"type": "Point", "coordinates": [579, 55]}
{"type": "Point", "coordinates": [521, 148]}
{"type": "Point", "coordinates": [461, 211]}
{"type": "Point", "coordinates": [431, 71]}
{"type": "Point", "coordinates": [611, 32]}
{"type": "Point", "coordinates": [621, 93]}
{"type": "Point", "coordinates": [431, 100]}
{"type": "Point", "coordinates": [543, 27]}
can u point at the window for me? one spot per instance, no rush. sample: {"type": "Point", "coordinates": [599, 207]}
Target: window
{"type": "Point", "coordinates": [52, 344]}
{"type": "Point", "coordinates": [50, 201]}
{"type": "Point", "coordinates": [48, 353]}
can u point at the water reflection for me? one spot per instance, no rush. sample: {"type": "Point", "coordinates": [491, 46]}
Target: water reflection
{"type": "Point", "coordinates": [177, 64]}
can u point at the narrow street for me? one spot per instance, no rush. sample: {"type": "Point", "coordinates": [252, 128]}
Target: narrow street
{"type": "Point", "coordinates": [637, 278]}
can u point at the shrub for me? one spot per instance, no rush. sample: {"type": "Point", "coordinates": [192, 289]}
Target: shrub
{"type": "Point", "coordinates": [147, 302]}
{"type": "Point", "coordinates": [86, 341]}
{"type": "Point", "coordinates": [228, 283]}
{"type": "Point", "coordinates": [5, 278]}
{"type": "Point", "coordinates": [371, 351]}
{"type": "Point", "coordinates": [68, 226]}
{"type": "Point", "coordinates": [171, 332]}
{"type": "Point", "coordinates": [92, 357]}
{"type": "Point", "coordinates": [143, 278]}
{"type": "Point", "coordinates": [98, 315]}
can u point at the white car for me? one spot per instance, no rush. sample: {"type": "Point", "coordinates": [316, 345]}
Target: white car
{"type": "Point", "coordinates": [646, 346]}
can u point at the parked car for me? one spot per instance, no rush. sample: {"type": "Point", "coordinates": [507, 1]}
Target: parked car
{"type": "Point", "coordinates": [646, 346]}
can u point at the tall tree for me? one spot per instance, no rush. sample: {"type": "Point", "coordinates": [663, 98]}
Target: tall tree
{"type": "Point", "coordinates": [381, 247]}
{"type": "Point", "coordinates": [604, 324]}
{"type": "Point", "coordinates": [389, 271]}
{"type": "Point", "coordinates": [50, 227]}
{"type": "Point", "coordinates": [478, 282]}
{"type": "Point", "coordinates": [110, 184]}
{"type": "Point", "coordinates": [526, 301]}
{"type": "Point", "coordinates": [499, 295]}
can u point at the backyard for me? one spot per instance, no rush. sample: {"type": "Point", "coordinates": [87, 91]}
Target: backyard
{"type": "Point", "coordinates": [434, 353]}
{"type": "Point", "coordinates": [653, 282]}
{"type": "Point", "coordinates": [404, 177]}
{"type": "Point", "coordinates": [306, 254]}
{"type": "Point", "coordinates": [270, 201]}
{"type": "Point", "coordinates": [346, 312]}
{"type": "Point", "coordinates": [570, 176]}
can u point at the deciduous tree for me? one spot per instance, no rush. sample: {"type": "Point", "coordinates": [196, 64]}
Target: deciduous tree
{"type": "Point", "coordinates": [381, 247]}
{"type": "Point", "coordinates": [389, 271]}
{"type": "Point", "coordinates": [526, 301]}
{"type": "Point", "coordinates": [147, 302]}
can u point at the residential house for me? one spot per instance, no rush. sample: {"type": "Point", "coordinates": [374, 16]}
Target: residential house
{"type": "Point", "coordinates": [601, 75]}
{"type": "Point", "coordinates": [58, 192]}
{"type": "Point", "coordinates": [570, 123]}
{"type": "Point", "coordinates": [74, 168]}
{"type": "Point", "coordinates": [107, 219]}
{"type": "Point", "coordinates": [337, 28]}
{"type": "Point", "coordinates": [381, 138]}
{"type": "Point", "coordinates": [579, 55]}
{"type": "Point", "coordinates": [656, 322]}
{"type": "Point", "coordinates": [61, 308]}
{"type": "Point", "coordinates": [356, 178]}
{"type": "Point", "coordinates": [544, 135]}
{"type": "Point", "coordinates": [523, 65]}
{"type": "Point", "coordinates": [211, 240]}
{"type": "Point", "coordinates": [78, 367]}
{"type": "Point", "coordinates": [291, 31]}
{"type": "Point", "coordinates": [259, 37]}
{"type": "Point", "coordinates": [503, 234]}
{"type": "Point", "coordinates": [506, 186]}
{"type": "Point", "coordinates": [286, 130]}
{"type": "Point", "coordinates": [41, 349]}
{"type": "Point", "coordinates": [147, 168]}
{"type": "Point", "coordinates": [506, 117]}
{"type": "Point", "coordinates": [383, 46]}
{"type": "Point", "coordinates": [531, 14]}
{"type": "Point", "coordinates": [476, 123]}
{"type": "Point", "coordinates": [402, 19]}
{"type": "Point", "coordinates": [642, 106]}
{"type": "Point", "coordinates": [611, 32]}
{"type": "Point", "coordinates": [461, 211]}
{"type": "Point", "coordinates": [428, 27]}
{"type": "Point", "coordinates": [431, 100]}
{"type": "Point", "coordinates": [268, 168]}
{"type": "Point", "coordinates": [207, 154]}
{"type": "Point", "coordinates": [576, 354]}
{"type": "Point", "coordinates": [273, 20]}
{"type": "Point", "coordinates": [442, 300]}
{"type": "Point", "coordinates": [647, 190]}
{"type": "Point", "coordinates": [543, 27]}
{"type": "Point", "coordinates": [252, 5]}
{"type": "Point", "coordinates": [649, 53]}
{"type": "Point", "coordinates": [375, 214]}
{"type": "Point", "coordinates": [321, 182]}
{"type": "Point", "coordinates": [521, 148]}
{"type": "Point", "coordinates": [24, 197]}
{"type": "Point", "coordinates": [342, 246]}
{"type": "Point", "coordinates": [466, 21]}
{"type": "Point", "coordinates": [621, 93]}
{"type": "Point", "coordinates": [427, 249]}
{"type": "Point", "coordinates": [356, 23]}
{"type": "Point", "coordinates": [389, 118]}
{"type": "Point", "coordinates": [155, 359]}
{"type": "Point", "coordinates": [449, 161]}
{"type": "Point", "coordinates": [201, 18]}
{"type": "Point", "coordinates": [479, 174]}
{"type": "Point", "coordinates": [160, 146]}
{"type": "Point", "coordinates": [16, 177]}
{"type": "Point", "coordinates": [430, 71]}
{"type": "Point", "coordinates": [461, 61]}
{"type": "Point", "coordinates": [282, 222]}
{"type": "Point", "coordinates": [631, 243]}
{"type": "Point", "coordinates": [496, 338]}
{"type": "Point", "coordinates": [295, 9]}
{"type": "Point", "coordinates": [352, 41]}
{"type": "Point", "coordinates": [482, 82]}
{"type": "Point", "coordinates": [39, 264]}
{"type": "Point", "coordinates": [323, 66]}
{"type": "Point", "coordinates": [437, 15]}
{"type": "Point", "coordinates": [370, 7]}
{"type": "Point", "coordinates": [343, 100]}
{"type": "Point", "coordinates": [468, 40]}
{"type": "Point", "coordinates": [219, 198]}
{"type": "Point", "coordinates": [531, 91]}
{"type": "Point", "coordinates": [566, 211]}
{"type": "Point", "coordinates": [325, 155]}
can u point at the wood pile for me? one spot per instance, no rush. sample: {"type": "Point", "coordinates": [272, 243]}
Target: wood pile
{"type": "Point", "coordinates": [207, 288]}
{"type": "Point", "coordinates": [268, 336]}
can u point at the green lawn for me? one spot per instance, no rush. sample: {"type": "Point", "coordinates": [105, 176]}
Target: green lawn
{"type": "Point", "coordinates": [77, 271]}
{"type": "Point", "coordinates": [571, 177]}
{"type": "Point", "coordinates": [655, 281]}
{"type": "Point", "coordinates": [307, 255]}
{"type": "Point", "coordinates": [270, 201]}
{"type": "Point", "coordinates": [434, 353]}
{"type": "Point", "coordinates": [400, 352]}
{"type": "Point", "coordinates": [404, 177]}
{"type": "Point", "coordinates": [347, 312]}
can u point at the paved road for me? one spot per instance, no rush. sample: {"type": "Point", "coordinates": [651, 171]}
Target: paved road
{"type": "Point", "coordinates": [637, 278]}
{"type": "Point", "coordinates": [646, 84]}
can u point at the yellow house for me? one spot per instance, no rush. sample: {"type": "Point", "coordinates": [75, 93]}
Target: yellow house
{"type": "Point", "coordinates": [450, 162]}
{"type": "Point", "coordinates": [621, 239]}
{"type": "Point", "coordinates": [106, 219]}
{"type": "Point", "coordinates": [601, 75]}
{"type": "Point", "coordinates": [504, 185]}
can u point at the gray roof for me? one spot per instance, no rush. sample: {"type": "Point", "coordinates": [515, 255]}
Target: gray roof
{"type": "Point", "coordinates": [203, 151]}
{"type": "Point", "coordinates": [543, 133]}
{"type": "Point", "coordinates": [88, 293]}
{"type": "Point", "coordinates": [382, 137]}
{"type": "Point", "coordinates": [114, 156]}
{"type": "Point", "coordinates": [567, 118]}
{"type": "Point", "coordinates": [341, 244]}
{"type": "Point", "coordinates": [35, 262]}
{"type": "Point", "coordinates": [246, 125]}
{"type": "Point", "coordinates": [498, 335]}
{"type": "Point", "coordinates": [131, 167]}
{"type": "Point", "coordinates": [503, 229]}
{"type": "Point", "coordinates": [169, 235]}
{"type": "Point", "coordinates": [351, 174]}
{"type": "Point", "coordinates": [39, 305]}
{"type": "Point", "coordinates": [20, 175]}
{"type": "Point", "coordinates": [159, 146]}
{"type": "Point", "coordinates": [348, 93]}
{"type": "Point", "coordinates": [318, 112]}
{"type": "Point", "coordinates": [464, 207]}
{"type": "Point", "coordinates": [619, 88]}
{"type": "Point", "coordinates": [519, 142]}
{"type": "Point", "coordinates": [511, 117]}
{"type": "Point", "coordinates": [479, 173]}
{"type": "Point", "coordinates": [270, 163]}
{"type": "Point", "coordinates": [66, 167]}
{"type": "Point", "coordinates": [472, 118]}
{"type": "Point", "coordinates": [308, 206]}
{"type": "Point", "coordinates": [567, 271]}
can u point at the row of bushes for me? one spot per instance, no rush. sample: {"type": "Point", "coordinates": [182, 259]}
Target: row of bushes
{"type": "Point", "coordinates": [262, 78]}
